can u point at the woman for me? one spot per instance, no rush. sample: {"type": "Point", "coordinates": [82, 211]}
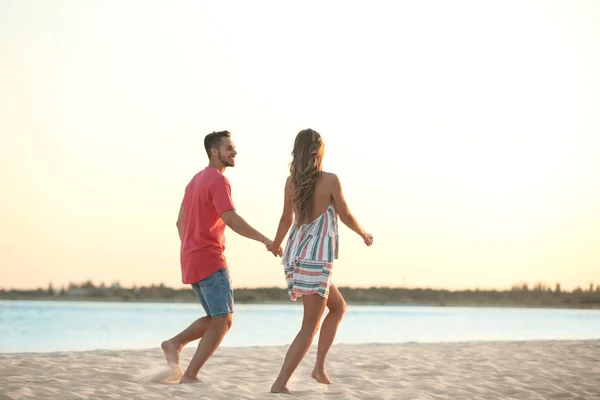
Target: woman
{"type": "Point", "coordinates": [315, 198]}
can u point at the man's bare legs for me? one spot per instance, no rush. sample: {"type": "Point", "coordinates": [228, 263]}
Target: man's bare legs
{"type": "Point", "coordinates": [337, 308]}
{"type": "Point", "coordinates": [173, 346]}
{"type": "Point", "coordinates": [314, 305]}
{"type": "Point", "coordinates": [214, 334]}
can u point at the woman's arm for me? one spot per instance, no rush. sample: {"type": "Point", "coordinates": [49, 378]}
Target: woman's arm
{"type": "Point", "coordinates": [341, 206]}
{"type": "Point", "coordinates": [287, 216]}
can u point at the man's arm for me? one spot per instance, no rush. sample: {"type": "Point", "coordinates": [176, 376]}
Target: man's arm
{"type": "Point", "coordinates": [179, 222]}
{"type": "Point", "coordinates": [241, 227]}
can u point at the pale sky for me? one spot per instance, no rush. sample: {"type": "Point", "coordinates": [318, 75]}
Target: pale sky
{"type": "Point", "coordinates": [466, 135]}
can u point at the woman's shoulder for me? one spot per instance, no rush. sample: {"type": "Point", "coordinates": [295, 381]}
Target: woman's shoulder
{"type": "Point", "coordinates": [329, 176]}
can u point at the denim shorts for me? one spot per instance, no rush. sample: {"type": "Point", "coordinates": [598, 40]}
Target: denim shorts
{"type": "Point", "coordinates": [215, 293]}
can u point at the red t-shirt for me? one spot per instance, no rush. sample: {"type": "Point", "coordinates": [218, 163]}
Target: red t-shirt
{"type": "Point", "coordinates": [207, 196]}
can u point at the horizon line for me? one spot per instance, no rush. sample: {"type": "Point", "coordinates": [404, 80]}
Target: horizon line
{"type": "Point", "coordinates": [591, 286]}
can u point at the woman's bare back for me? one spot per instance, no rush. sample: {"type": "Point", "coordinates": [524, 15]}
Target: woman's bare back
{"type": "Point", "coordinates": [323, 195]}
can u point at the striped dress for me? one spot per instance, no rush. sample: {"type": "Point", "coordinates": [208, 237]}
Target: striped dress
{"type": "Point", "coordinates": [309, 254]}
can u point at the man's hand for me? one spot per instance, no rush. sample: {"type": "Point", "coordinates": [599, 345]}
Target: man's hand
{"type": "Point", "coordinates": [276, 251]}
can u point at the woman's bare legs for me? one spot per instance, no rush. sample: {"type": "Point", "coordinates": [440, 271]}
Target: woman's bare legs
{"type": "Point", "coordinates": [314, 305]}
{"type": "Point", "coordinates": [337, 308]}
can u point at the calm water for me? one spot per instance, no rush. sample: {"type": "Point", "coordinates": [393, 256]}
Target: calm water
{"type": "Point", "coordinates": [32, 326]}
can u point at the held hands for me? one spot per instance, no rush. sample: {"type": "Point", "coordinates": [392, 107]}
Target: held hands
{"type": "Point", "coordinates": [368, 239]}
{"type": "Point", "coordinates": [276, 251]}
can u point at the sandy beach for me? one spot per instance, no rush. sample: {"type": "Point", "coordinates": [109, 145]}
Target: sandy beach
{"type": "Point", "coordinates": [495, 370]}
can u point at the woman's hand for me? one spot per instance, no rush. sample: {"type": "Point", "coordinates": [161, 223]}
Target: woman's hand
{"type": "Point", "coordinates": [275, 250]}
{"type": "Point", "coordinates": [368, 239]}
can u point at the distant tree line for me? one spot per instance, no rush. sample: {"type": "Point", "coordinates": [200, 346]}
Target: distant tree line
{"type": "Point", "coordinates": [521, 295]}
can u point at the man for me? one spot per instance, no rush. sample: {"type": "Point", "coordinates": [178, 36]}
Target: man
{"type": "Point", "coordinates": [206, 209]}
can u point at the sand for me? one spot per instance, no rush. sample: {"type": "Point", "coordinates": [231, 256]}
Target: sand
{"type": "Point", "coordinates": [494, 370]}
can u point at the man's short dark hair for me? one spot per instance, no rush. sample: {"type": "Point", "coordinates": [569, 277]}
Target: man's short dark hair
{"type": "Point", "coordinates": [213, 140]}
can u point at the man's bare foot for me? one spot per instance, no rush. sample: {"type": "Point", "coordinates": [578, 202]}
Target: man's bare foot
{"type": "Point", "coordinates": [321, 377]}
{"type": "Point", "coordinates": [189, 379]}
{"type": "Point", "coordinates": [171, 352]}
{"type": "Point", "coordinates": [172, 355]}
{"type": "Point", "coordinates": [280, 389]}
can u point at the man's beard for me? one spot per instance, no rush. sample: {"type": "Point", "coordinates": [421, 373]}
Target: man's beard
{"type": "Point", "coordinates": [225, 161]}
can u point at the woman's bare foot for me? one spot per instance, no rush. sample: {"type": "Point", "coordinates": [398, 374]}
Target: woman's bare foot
{"type": "Point", "coordinates": [189, 379]}
{"type": "Point", "coordinates": [280, 389]}
{"type": "Point", "coordinates": [321, 377]}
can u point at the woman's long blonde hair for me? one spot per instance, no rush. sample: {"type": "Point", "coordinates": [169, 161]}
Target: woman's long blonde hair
{"type": "Point", "coordinates": [305, 169]}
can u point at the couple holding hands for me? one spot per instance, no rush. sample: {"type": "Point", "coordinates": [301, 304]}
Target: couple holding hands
{"type": "Point", "coordinates": [313, 201]}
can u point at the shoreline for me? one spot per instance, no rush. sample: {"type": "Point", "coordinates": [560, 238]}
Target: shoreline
{"type": "Point", "coordinates": [537, 369]}
{"type": "Point", "coordinates": [294, 304]}
{"type": "Point", "coordinates": [537, 295]}
{"type": "Point", "coordinates": [371, 344]}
